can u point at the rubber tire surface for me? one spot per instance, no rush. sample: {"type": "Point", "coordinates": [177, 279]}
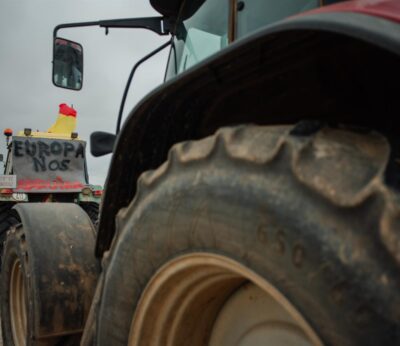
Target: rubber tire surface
{"type": "Point", "coordinates": [7, 219]}
{"type": "Point", "coordinates": [92, 209]}
{"type": "Point", "coordinates": [15, 248]}
{"type": "Point", "coordinates": [311, 214]}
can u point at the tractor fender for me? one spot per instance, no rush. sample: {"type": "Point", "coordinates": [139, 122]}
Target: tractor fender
{"type": "Point", "coordinates": [329, 67]}
{"type": "Point", "coordinates": [63, 272]}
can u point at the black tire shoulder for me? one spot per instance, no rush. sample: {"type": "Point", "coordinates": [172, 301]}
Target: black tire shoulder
{"type": "Point", "coordinates": [312, 214]}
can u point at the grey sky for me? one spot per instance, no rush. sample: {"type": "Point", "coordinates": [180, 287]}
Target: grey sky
{"type": "Point", "coordinates": [27, 95]}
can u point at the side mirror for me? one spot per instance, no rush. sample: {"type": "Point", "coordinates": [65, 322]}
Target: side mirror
{"type": "Point", "coordinates": [67, 64]}
{"type": "Point", "coordinates": [102, 143]}
{"type": "Point", "coordinates": [1, 158]}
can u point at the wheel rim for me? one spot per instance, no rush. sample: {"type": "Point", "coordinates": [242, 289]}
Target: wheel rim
{"type": "Point", "coordinates": [207, 299]}
{"type": "Point", "coordinates": [18, 305]}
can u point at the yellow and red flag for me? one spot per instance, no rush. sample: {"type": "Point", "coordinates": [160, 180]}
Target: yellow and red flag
{"type": "Point", "coordinates": [66, 121]}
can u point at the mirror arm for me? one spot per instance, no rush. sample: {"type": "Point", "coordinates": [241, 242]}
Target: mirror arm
{"type": "Point", "coordinates": [128, 83]}
{"type": "Point", "coordinates": [72, 25]}
{"type": "Point", "coordinates": [159, 25]}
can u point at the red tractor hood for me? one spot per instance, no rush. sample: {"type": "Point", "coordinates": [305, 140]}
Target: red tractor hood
{"type": "Point", "coordinates": [388, 9]}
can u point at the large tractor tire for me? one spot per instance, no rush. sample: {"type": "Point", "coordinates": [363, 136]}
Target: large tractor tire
{"type": "Point", "coordinates": [259, 236]}
{"type": "Point", "coordinates": [92, 209]}
{"type": "Point", "coordinates": [48, 275]}
{"type": "Point", "coordinates": [7, 219]}
{"type": "Point", "coordinates": [16, 294]}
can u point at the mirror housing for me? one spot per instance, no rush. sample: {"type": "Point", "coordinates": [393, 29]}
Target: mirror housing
{"type": "Point", "coordinates": [67, 64]}
{"type": "Point", "coordinates": [68, 55]}
{"type": "Point", "coordinates": [102, 143]}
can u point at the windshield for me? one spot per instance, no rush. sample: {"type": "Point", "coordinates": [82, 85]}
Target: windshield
{"type": "Point", "coordinates": [206, 31]}
{"type": "Point", "coordinates": [203, 34]}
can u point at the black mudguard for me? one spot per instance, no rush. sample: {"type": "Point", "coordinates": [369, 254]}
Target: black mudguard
{"type": "Point", "coordinates": [329, 67]}
{"type": "Point", "coordinates": [60, 241]}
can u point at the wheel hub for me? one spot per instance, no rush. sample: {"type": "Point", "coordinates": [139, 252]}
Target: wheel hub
{"type": "Point", "coordinates": [208, 299]}
{"type": "Point", "coordinates": [18, 313]}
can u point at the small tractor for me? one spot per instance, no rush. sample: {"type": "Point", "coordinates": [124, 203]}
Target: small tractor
{"type": "Point", "coordinates": [43, 167]}
{"type": "Point", "coordinates": [252, 199]}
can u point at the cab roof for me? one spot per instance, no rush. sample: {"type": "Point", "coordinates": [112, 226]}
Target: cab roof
{"type": "Point", "coordinates": [169, 8]}
{"type": "Point", "coordinates": [38, 134]}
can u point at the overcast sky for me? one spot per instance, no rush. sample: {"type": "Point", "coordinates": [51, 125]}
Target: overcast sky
{"type": "Point", "coordinates": [28, 98]}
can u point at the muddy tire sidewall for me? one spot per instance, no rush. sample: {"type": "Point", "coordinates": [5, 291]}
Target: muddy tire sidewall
{"type": "Point", "coordinates": [264, 219]}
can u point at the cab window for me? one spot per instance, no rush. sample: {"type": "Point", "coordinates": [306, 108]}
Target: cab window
{"type": "Point", "coordinates": [205, 32]}
{"type": "Point", "coordinates": [256, 14]}
{"type": "Point", "coordinates": [198, 37]}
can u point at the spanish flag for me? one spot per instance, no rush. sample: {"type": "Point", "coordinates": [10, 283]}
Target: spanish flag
{"type": "Point", "coordinates": [66, 121]}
